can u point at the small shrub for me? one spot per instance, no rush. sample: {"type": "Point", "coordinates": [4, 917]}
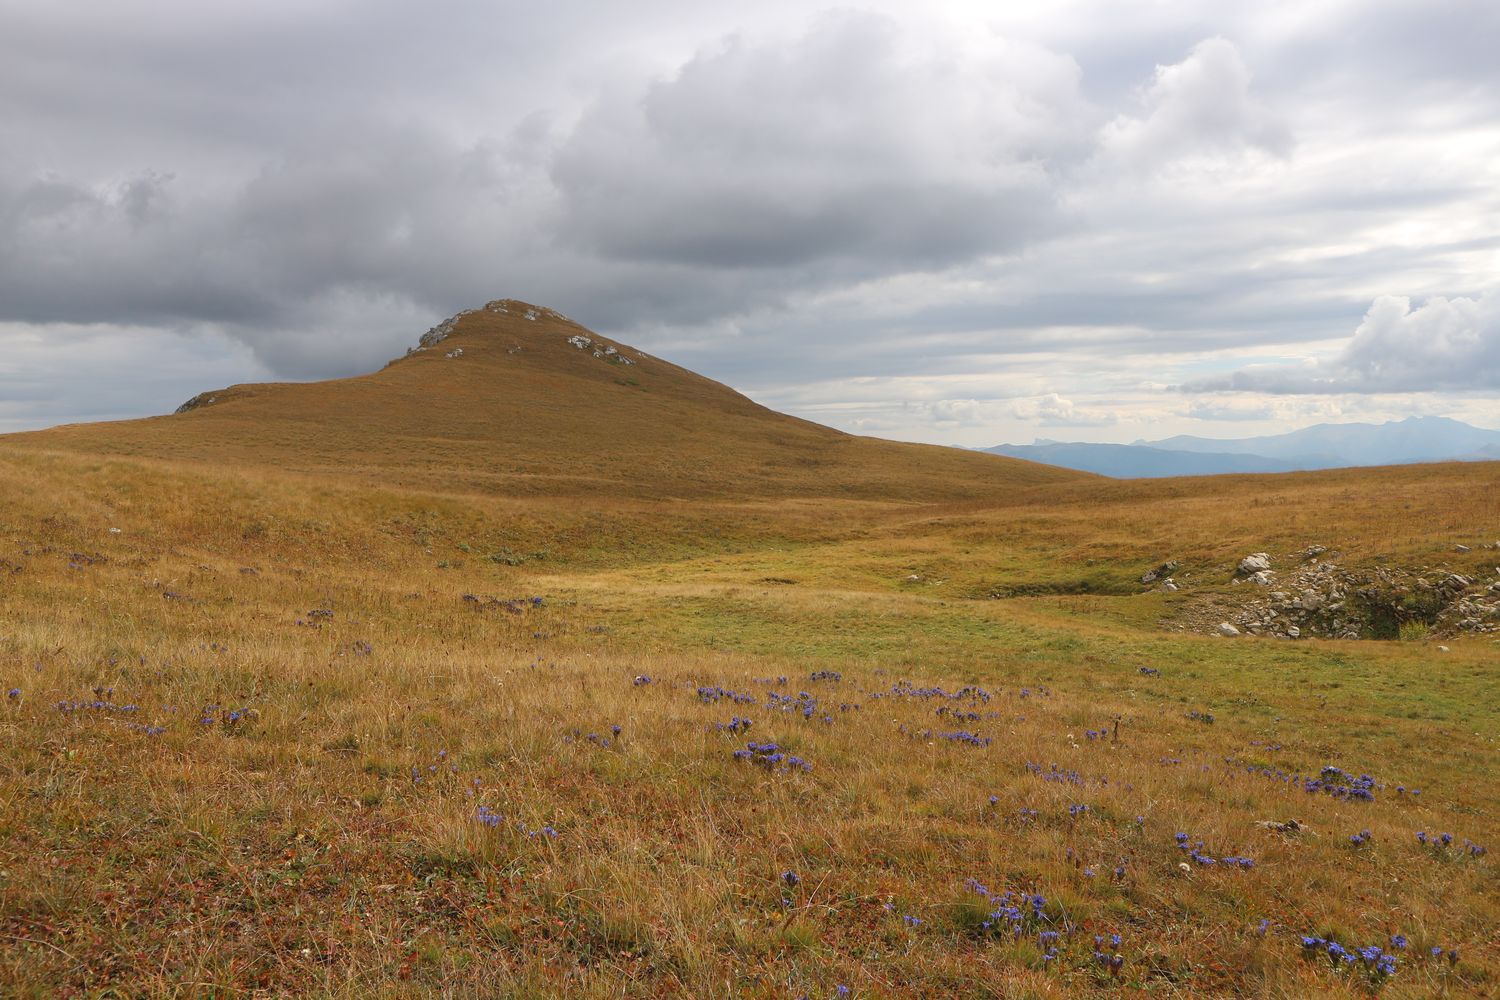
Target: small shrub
{"type": "Point", "coordinates": [1413, 631]}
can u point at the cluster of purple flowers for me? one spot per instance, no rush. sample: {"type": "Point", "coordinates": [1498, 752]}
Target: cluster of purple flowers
{"type": "Point", "coordinates": [641, 680]}
{"type": "Point", "coordinates": [709, 695]}
{"type": "Point", "coordinates": [1360, 839]}
{"type": "Point", "coordinates": [960, 715]}
{"type": "Point", "coordinates": [1195, 851]}
{"type": "Point", "coordinates": [1443, 841]}
{"type": "Point", "coordinates": [1113, 962]}
{"type": "Point", "coordinates": [1331, 781]}
{"type": "Point", "coordinates": [905, 689]}
{"type": "Point", "coordinates": [825, 675]}
{"type": "Point", "coordinates": [1055, 773]}
{"type": "Point", "coordinates": [1150, 672]}
{"type": "Point", "coordinates": [1013, 913]}
{"type": "Point", "coordinates": [594, 738]}
{"type": "Point", "coordinates": [964, 736]}
{"type": "Point", "coordinates": [804, 704]}
{"type": "Point", "coordinates": [1341, 785]}
{"type": "Point", "coordinates": [1374, 959]}
{"type": "Point", "coordinates": [771, 757]}
{"type": "Point", "coordinates": [14, 694]}
{"type": "Point", "coordinates": [97, 705]}
{"type": "Point", "coordinates": [735, 725]}
{"type": "Point", "coordinates": [1204, 717]}
{"type": "Point", "coordinates": [494, 820]}
{"type": "Point", "coordinates": [101, 704]}
{"type": "Point", "coordinates": [209, 714]}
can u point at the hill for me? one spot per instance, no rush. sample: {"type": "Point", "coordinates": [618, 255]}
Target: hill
{"type": "Point", "coordinates": [516, 399]}
{"type": "Point", "coordinates": [1124, 461]}
{"type": "Point", "coordinates": [1325, 446]}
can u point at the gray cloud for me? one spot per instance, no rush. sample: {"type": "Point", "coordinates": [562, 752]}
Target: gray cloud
{"type": "Point", "coordinates": [1202, 104]}
{"type": "Point", "coordinates": [1441, 344]}
{"type": "Point", "coordinates": [855, 143]}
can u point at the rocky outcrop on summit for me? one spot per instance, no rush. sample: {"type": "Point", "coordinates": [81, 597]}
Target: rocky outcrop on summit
{"type": "Point", "coordinates": [202, 399]}
{"type": "Point", "coordinates": [588, 342]}
{"type": "Point", "coordinates": [503, 307]}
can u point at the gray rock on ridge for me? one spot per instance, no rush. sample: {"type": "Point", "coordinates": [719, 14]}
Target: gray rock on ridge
{"type": "Point", "coordinates": [202, 399]}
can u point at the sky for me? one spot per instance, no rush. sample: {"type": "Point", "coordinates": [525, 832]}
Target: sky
{"type": "Point", "coordinates": [964, 223]}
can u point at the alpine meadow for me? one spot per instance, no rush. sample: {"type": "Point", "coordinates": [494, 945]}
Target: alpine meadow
{"type": "Point", "coordinates": [577, 674]}
{"type": "Point", "coordinates": [910, 500]}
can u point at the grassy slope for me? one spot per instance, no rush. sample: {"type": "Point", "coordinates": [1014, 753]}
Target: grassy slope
{"type": "Point", "coordinates": [293, 849]}
{"type": "Point", "coordinates": [523, 412]}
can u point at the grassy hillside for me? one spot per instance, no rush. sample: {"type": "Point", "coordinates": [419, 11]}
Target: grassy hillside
{"type": "Point", "coordinates": [277, 727]}
{"type": "Point", "coordinates": [508, 404]}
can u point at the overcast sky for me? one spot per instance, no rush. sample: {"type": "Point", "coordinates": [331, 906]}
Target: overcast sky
{"type": "Point", "coordinates": [939, 222]}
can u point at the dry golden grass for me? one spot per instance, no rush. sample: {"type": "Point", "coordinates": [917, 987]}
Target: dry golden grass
{"type": "Point", "coordinates": [329, 840]}
{"type": "Point", "coordinates": [523, 413]}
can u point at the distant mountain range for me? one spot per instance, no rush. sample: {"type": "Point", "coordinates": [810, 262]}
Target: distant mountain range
{"type": "Point", "coordinates": [1323, 446]}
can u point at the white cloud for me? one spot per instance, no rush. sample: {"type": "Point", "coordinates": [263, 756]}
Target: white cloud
{"type": "Point", "coordinates": [1200, 106]}
{"type": "Point", "coordinates": [1442, 344]}
{"type": "Point", "coordinates": [1052, 410]}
